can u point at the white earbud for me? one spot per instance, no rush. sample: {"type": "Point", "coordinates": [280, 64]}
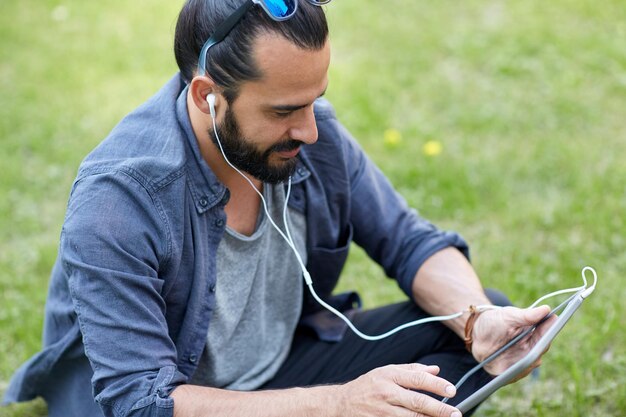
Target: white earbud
{"type": "Point", "coordinates": [210, 98]}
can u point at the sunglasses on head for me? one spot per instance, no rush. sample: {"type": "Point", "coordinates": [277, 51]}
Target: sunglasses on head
{"type": "Point", "coordinates": [276, 9]}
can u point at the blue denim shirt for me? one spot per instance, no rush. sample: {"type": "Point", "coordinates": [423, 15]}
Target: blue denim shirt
{"type": "Point", "coordinates": [134, 283]}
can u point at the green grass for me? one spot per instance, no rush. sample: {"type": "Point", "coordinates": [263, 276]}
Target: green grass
{"type": "Point", "coordinates": [526, 97]}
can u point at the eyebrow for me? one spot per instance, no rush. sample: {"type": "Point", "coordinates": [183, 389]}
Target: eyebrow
{"type": "Point", "coordinates": [293, 107]}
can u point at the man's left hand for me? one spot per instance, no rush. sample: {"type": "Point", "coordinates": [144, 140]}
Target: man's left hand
{"type": "Point", "coordinates": [494, 328]}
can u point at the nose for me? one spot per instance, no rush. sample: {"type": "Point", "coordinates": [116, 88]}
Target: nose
{"type": "Point", "coordinates": [304, 127]}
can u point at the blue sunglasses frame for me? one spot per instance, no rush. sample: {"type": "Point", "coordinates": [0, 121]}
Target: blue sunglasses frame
{"type": "Point", "coordinates": [278, 10]}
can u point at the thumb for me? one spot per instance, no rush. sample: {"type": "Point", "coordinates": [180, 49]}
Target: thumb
{"type": "Point", "coordinates": [533, 315]}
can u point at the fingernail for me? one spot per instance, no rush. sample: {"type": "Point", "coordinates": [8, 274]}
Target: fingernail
{"type": "Point", "coordinates": [451, 391]}
{"type": "Point", "coordinates": [456, 414]}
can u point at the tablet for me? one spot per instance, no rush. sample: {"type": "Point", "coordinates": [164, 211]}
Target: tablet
{"type": "Point", "coordinates": [535, 353]}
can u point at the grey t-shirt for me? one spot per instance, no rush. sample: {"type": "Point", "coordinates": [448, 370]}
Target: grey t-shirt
{"type": "Point", "coordinates": [258, 301]}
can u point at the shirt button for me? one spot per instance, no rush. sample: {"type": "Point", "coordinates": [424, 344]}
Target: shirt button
{"type": "Point", "coordinates": [212, 289]}
{"type": "Point", "coordinates": [204, 201]}
{"type": "Point", "coordinates": [219, 222]}
{"type": "Point", "coordinates": [193, 358]}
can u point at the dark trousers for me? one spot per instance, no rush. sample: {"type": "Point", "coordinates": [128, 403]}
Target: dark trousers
{"type": "Point", "coordinates": [312, 362]}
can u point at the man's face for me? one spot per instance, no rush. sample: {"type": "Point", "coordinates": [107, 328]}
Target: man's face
{"type": "Point", "coordinates": [263, 129]}
{"type": "Point", "coordinates": [246, 156]}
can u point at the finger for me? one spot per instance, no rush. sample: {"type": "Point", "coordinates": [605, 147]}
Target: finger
{"type": "Point", "coordinates": [417, 367]}
{"type": "Point", "coordinates": [399, 411]}
{"type": "Point", "coordinates": [423, 404]}
{"type": "Point", "coordinates": [540, 331]}
{"type": "Point", "coordinates": [522, 375]}
{"type": "Point", "coordinates": [424, 381]}
{"type": "Point", "coordinates": [526, 371]}
{"type": "Point", "coordinates": [546, 349]}
{"type": "Point", "coordinates": [533, 315]}
{"type": "Point", "coordinates": [545, 326]}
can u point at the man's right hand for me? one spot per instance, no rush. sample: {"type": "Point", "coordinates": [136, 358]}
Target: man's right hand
{"type": "Point", "coordinates": [389, 391]}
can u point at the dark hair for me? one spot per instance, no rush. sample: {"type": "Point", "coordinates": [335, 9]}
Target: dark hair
{"type": "Point", "coordinates": [230, 62]}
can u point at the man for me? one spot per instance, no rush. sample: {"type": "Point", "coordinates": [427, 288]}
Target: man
{"type": "Point", "coordinates": [174, 292]}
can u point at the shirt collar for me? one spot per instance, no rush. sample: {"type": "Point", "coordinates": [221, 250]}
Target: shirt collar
{"type": "Point", "coordinates": [206, 189]}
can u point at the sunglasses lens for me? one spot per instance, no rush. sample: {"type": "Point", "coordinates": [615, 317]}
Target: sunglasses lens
{"type": "Point", "coordinates": [280, 8]}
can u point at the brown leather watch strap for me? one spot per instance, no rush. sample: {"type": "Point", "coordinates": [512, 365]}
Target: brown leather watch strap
{"type": "Point", "coordinates": [469, 327]}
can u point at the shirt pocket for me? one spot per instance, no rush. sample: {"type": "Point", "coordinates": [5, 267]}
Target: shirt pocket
{"type": "Point", "coordinates": [325, 265]}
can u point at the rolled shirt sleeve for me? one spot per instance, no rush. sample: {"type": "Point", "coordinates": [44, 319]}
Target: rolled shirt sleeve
{"type": "Point", "coordinates": [391, 232]}
{"type": "Point", "coordinates": [112, 245]}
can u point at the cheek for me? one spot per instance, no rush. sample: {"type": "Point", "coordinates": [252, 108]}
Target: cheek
{"type": "Point", "coordinates": [268, 133]}
{"type": "Point", "coordinates": [260, 128]}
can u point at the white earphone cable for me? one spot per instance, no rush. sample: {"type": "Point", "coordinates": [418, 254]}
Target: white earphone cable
{"type": "Point", "coordinates": [309, 282]}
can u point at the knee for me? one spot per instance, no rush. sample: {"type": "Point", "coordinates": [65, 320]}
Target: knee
{"type": "Point", "coordinates": [497, 297]}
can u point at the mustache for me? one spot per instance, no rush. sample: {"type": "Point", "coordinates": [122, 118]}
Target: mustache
{"type": "Point", "coordinates": [287, 145]}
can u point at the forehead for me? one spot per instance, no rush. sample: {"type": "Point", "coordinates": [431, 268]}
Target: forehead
{"type": "Point", "coordinates": [289, 73]}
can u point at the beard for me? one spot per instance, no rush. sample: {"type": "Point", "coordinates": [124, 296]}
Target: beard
{"type": "Point", "coordinates": [246, 157]}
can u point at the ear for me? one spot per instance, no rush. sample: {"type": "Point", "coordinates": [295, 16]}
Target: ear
{"type": "Point", "coordinates": [199, 88]}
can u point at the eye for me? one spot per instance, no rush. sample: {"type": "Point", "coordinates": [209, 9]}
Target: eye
{"type": "Point", "coordinates": [282, 114]}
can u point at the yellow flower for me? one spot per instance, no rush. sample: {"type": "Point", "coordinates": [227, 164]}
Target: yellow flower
{"type": "Point", "coordinates": [432, 148]}
{"type": "Point", "coordinates": [392, 137]}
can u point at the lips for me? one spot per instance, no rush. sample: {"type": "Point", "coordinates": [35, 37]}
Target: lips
{"type": "Point", "coordinates": [289, 154]}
